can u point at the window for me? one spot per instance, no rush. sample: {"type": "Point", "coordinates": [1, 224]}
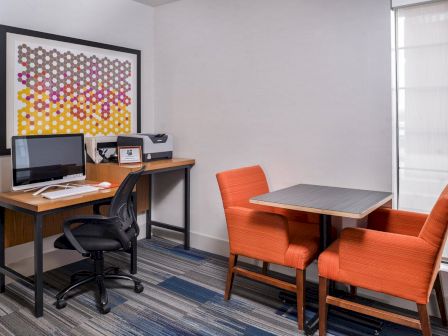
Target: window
{"type": "Point", "coordinates": [421, 93]}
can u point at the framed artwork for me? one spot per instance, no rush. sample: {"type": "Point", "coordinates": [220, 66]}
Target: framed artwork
{"type": "Point", "coordinates": [129, 154]}
{"type": "Point", "coordinates": [51, 84]}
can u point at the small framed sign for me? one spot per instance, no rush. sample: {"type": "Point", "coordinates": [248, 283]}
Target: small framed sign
{"type": "Point", "coordinates": [129, 155]}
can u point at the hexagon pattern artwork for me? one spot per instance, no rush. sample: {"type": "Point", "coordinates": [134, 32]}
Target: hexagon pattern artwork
{"type": "Point", "coordinates": [64, 92]}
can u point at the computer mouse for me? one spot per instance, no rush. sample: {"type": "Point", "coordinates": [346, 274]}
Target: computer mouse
{"type": "Point", "coordinates": [104, 184]}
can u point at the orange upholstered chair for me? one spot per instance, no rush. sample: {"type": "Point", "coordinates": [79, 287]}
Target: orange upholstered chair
{"type": "Point", "coordinates": [399, 254]}
{"type": "Point", "coordinates": [288, 238]}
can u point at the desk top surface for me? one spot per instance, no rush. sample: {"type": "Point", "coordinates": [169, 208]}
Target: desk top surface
{"type": "Point", "coordinates": [38, 203]}
{"type": "Point", "coordinates": [344, 202]}
{"type": "Point", "coordinates": [153, 165]}
{"type": "Point", "coordinates": [26, 200]}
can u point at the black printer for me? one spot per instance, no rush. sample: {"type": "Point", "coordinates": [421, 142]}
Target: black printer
{"type": "Point", "coordinates": [154, 146]}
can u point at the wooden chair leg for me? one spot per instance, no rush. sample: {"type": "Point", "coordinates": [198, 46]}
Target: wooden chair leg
{"type": "Point", "coordinates": [323, 306]}
{"type": "Point", "coordinates": [353, 290]}
{"type": "Point", "coordinates": [300, 283]}
{"type": "Point", "coordinates": [230, 276]}
{"type": "Point", "coordinates": [441, 300]}
{"type": "Point", "coordinates": [265, 267]}
{"type": "Point", "coordinates": [424, 319]}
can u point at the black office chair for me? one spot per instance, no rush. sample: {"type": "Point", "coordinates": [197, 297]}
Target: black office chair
{"type": "Point", "coordinates": [97, 234]}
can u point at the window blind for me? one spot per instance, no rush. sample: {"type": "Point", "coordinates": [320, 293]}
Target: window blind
{"type": "Point", "coordinates": [422, 103]}
{"type": "Point", "coordinates": [402, 3]}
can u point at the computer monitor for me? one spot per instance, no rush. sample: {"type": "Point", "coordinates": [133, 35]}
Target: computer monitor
{"type": "Point", "coordinates": [42, 160]}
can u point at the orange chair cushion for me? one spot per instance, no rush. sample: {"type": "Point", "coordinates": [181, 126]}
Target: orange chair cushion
{"type": "Point", "coordinates": [238, 186]}
{"type": "Point", "coordinates": [435, 228]}
{"type": "Point", "coordinates": [284, 237]}
{"type": "Point", "coordinates": [400, 256]}
{"type": "Point", "coordinates": [271, 237]}
{"type": "Point", "coordinates": [328, 262]}
{"type": "Point", "coordinates": [303, 244]}
{"type": "Point", "coordinates": [256, 234]}
{"type": "Point", "coordinates": [385, 262]}
{"type": "Point", "coordinates": [397, 221]}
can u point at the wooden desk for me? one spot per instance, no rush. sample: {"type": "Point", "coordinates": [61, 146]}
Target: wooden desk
{"type": "Point", "coordinates": [38, 207]}
{"type": "Point", "coordinates": [115, 173]}
{"type": "Point", "coordinates": [19, 227]}
{"type": "Point", "coordinates": [27, 202]}
{"type": "Point", "coordinates": [24, 211]}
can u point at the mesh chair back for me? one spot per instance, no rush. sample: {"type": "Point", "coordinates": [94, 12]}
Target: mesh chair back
{"type": "Point", "coordinates": [122, 205]}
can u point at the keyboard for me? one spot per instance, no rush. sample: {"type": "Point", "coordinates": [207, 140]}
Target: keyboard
{"type": "Point", "coordinates": [69, 192]}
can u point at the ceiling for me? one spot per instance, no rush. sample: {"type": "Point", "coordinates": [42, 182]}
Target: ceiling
{"type": "Point", "coordinates": [155, 3]}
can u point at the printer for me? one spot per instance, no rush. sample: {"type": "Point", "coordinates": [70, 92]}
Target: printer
{"type": "Point", "coordinates": [101, 149]}
{"type": "Point", "coordinates": [154, 146]}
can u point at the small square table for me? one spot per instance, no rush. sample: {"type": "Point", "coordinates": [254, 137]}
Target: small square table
{"type": "Point", "coordinates": [326, 201]}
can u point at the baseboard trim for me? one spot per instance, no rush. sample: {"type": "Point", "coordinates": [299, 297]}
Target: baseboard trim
{"type": "Point", "coordinates": [197, 240]}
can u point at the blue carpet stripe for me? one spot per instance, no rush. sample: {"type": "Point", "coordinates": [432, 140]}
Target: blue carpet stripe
{"type": "Point", "coordinates": [188, 289]}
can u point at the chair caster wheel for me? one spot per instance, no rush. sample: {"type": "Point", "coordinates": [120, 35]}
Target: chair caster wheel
{"type": "Point", "coordinates": [61, 303]}
{"type": "Point", "coordinates": [138, 288]}
{"type": "Point", "coordinates": [104, 309]}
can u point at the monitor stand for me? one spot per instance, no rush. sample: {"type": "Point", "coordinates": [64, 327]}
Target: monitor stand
{"type": "Point", "coordinates": [41, 190]}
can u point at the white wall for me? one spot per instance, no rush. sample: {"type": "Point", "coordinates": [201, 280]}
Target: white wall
{"type": "Point", "coordinates": [301, 87]}
{"type": "Point", "coordinates": [118, 22]}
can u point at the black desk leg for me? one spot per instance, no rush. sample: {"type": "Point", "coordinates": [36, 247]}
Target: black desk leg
{"type": "Point", "coordinates": [133, 266]}
{"type": "Point", "coordinates": [187, 209]}
{"type": "Point", "coordinates": [148, 212]}
{"type": "Point", "coordinates": [38, 267]}
{"type": "Point", "coordinates": [2, 248]}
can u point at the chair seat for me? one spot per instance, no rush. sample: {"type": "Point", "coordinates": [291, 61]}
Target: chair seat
{"type": "Point", "coordinates": [91, 239]}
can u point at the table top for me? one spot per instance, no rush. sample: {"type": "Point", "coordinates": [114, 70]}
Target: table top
{"type": "Point", "coordinates": [343, 202]}
{"type": "Point", "coordinates": [26, 200]}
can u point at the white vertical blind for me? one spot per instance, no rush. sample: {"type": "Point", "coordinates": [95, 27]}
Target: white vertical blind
{"type": "Point", "coordinates": [422, 103]}
{"type": "Point", "coordinates": [401, 3]}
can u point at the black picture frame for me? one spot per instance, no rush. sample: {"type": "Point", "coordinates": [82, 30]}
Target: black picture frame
{"type": "Point", "coordinates": [4, 30]}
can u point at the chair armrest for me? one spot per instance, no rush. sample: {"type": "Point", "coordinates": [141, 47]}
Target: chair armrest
{"type": "Point", "coordinates": [257, 234]}
{"type": "Point", "coordinates": [99, 220]}
{"type": "Point", "coordinates": [386, 258]}
{"type": "Point", "coordinates": [397, 221]}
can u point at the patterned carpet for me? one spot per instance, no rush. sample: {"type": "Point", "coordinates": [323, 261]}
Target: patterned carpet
{"type": "Point", "coordinates": [183, 296]}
